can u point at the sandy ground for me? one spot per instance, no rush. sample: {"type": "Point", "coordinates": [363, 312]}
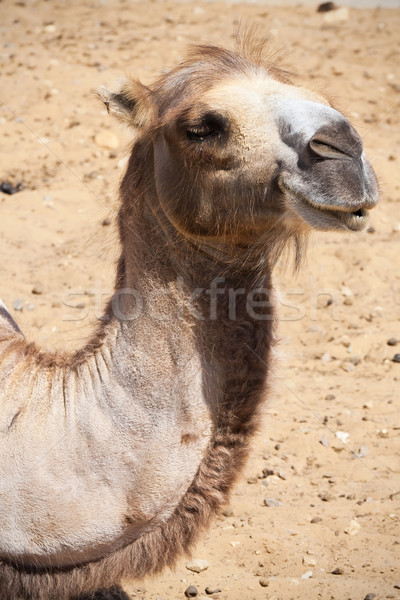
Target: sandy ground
{"type": "Point", "coordinates": [338, 492]}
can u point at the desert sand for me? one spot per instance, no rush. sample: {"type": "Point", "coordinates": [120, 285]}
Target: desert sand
{"type": "Point", "coordinates": [326, 460]}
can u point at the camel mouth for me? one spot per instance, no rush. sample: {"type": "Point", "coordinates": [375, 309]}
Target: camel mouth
{"type": "Point", "coordinates": [355, 221]}
{"type": "Point", "coordinates": [324, 217]}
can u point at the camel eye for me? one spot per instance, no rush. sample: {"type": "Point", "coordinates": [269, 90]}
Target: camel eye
{"type": "Point", "coordinates": [198, 135]}
{"type": "Point", "coordinates": [210, 126]}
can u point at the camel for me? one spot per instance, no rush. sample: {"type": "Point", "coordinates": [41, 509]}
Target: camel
{"type": "Point", "coordinates": [115, 457]}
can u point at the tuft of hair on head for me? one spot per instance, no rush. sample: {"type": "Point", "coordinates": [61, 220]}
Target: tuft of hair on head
{"type": "Point", "coordinates": [256, 48]}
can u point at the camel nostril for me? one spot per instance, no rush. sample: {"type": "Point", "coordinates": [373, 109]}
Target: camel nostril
{"type": "Point", "coordinates": [338, 140]}
{"type": "Point", "coordinates": [326, 149]}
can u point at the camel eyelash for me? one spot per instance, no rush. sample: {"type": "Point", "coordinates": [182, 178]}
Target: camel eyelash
{"type": "Point", "coordinates": [211, 125]}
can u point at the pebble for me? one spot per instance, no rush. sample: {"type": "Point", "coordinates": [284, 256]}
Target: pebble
{"type": "Point", "coordinates": [307, 575]}
{"type": "Point", "coordinates": [396, 358]}
{"type": "Point", "coordinates": [325, 497]}
{"type": "Point", "coordinates": [370, 596]}
{"type": "Point", "coordinates": [264, 582]}
{"type": "Point", "coordinates": [397, 586]}
{"type": "Point", "coordinates": [106, 139]}
{"type": "Point", "coordinates": [212, 590]}
{"type": "Point", "coordinates": [316, 520]}
{"type": "Point", "coordinates": [326, 6]}
{"type": "Point", "coordinates": [348, 367]}
{"type": "Point", "coordinates": [362, 452]}
{"type": "Point", "coordinates": [392, 341]}
{"type": "Point", "coordinates": [18, 304]}
{"type": "Point", "coordinates": [191, 591]}
{"type": "Point", "coordinates": [37, 289]}
{"type": "Point", "coordinates": [105, 222]}
{"type": "Point", "coordinates": [197, 565]}
{"type": "Point", "coordinates": [343, 436]}
{"type": "Point", "coordinates": [337, 16]}
{"type": "Point", "coordinates": [330, 397]}
{"type": "Point", "coordinates": [353, 528]}
{"type": "Point", "coordinates": [345, 341]}
{"type": "Point", "coordinates": [7, 188]}
{"type": "Point", "coordinates": [324, 441]}
{"type": "Point", "coordinates": [337, 571]}
{"type": "Point", "coordinates": [272, 502]}
{"type": "Point", "coordinates": [309, 561]}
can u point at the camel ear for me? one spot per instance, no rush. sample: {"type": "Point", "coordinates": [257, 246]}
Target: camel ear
{"type": "Point", "coordinates": [131, 105]}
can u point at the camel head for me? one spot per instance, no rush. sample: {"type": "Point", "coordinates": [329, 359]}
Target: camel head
{"type": "Point", "coordinates": [238, 150]}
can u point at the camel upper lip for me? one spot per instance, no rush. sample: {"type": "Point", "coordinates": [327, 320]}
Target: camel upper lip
{"type": "Point", "coordinates": [355, 220]}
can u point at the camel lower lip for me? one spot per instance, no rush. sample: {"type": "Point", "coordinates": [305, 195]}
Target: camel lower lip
{"type": "Point", "coordinates": [355, 221]}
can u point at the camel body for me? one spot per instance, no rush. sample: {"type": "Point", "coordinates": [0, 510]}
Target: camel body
{"type": "Point", "coordinates": [114, 458]}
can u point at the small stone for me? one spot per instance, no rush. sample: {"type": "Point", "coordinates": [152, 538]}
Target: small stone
{"type": "Point", "coordinates": [396, 358]}
{"type": "Point", "coordinates": [105, 222]}
{"type": "Point", "coordinates": [191, 591]}
{"type": "Point", "coordinates": [197, 565]}
{"type": "Point", "coordinates": [343, 436]}
{"type": "Point", "coordinates": [397, 586]}
{"type": "Point", "coordinates": [337, 571]}
{"type": "Point", "coordinates": [324, 441]}
{"type": "Point", "coordinates": [227, 512]}
{"type": "Point", "coordinates": [263, 581]}
{"type": "Point", "coordinates": [37, 289]}
{"type": "Point", "coordinates": [316, 520]}
{"type": "Point", "coordinates": [18, 304]}
{"type": "Point", "coordinates": [7, 188]}
{"type": "Point", "coordinates": [353, 528]}
{"type": "Point", "coordinates": [106, 139]}
{"type": "Point", "coordinates": [267, 472]}
{"type": "Point", "coordinates": [326, 357]}
{"type": "Point", "coordinates": [326, 6]}
{"type": "Point", "coordinates": [362, 452]}
{"type": "Point", "coordinates": [348, 366]}
{"type": "Point", "coordinates": [270, 502]}
{"type": "Point", "coordinates": [337, 16]}
{"type": "Point", "coordinates": [392, 341]}
{"type": "Point", "coordinates": [307, 575]}
{"type": "Point", "coordinates": [345, 341]}
{"type": "Point", "coordinates": [346, 291]}
{"type": "Point", "coordinates": [325, 497]}
{"type": "Point", "coordinates": [330, 397]}
{"type": "Point", "coordinates": [50, 28]}
{"type": "Point", "coordinates": [212, 590]}
{"type": "Point", "coordinates": [309, 561]}
{"type": "Point", "coordinates": [370, 596]}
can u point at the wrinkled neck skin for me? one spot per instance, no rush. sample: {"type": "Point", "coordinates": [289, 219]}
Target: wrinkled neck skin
{"type": "Point", "coordinates": [104, 446]}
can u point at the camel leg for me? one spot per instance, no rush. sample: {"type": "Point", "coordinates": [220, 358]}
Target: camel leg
{"type": "Point", "coordinates": [114, 593]}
